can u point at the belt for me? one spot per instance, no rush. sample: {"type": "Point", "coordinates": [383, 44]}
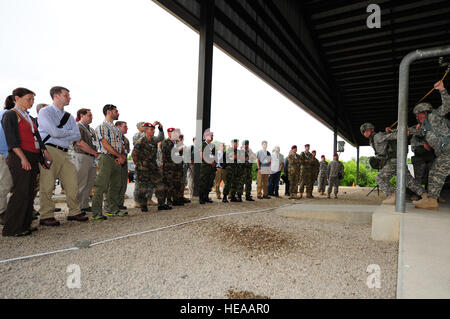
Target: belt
{"type": "Point", "coordinates": [84, 153]}
{"type": "Point", "coordinates": [110, 155]}
{"type": "Point", "coordinates": [58, 147]}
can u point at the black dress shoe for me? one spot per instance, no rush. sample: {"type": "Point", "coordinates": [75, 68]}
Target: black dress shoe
{"type": "Point", "coordinates": [25, 233]}
{"type": "Point", "coordinates": [164, 207]}
{"type": "Point", "coordinates": [209, 200]}
{"type": "Point", "coordinates": [233, 199]}
{"type": "Point", "coordinates": [49, 222]}
{"type": "Point", "coordinates": [33, 229]}
{"type": "Point", "coordinates": [122, 207]}
{"type": "Point", "coordinates": [186, 201]}
{"type": "Point", "coordinates": [225, 200]}
{"type": "Point", "coordinates": [266, 197]}
{"type": "Point", "coordinates": [239, 199]}
{"type": "Point", "coordinates": [178, 203]}
{"type": "Point", "coordinates": [144, 209]}
{"type": "Point", "coordinates": [79, 218]}
{"type": "Point", "coordinates": [57, 210]}
{"type": "Point", "coordinates": [249, 199]}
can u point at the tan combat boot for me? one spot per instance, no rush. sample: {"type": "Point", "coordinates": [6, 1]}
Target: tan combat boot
{"type": "Point", "coordinates": [300, 196]}
{"type": "Point", "coordinates": [427, 202]}
{"type": "Point", "coordinates": [151, 203]}
{"type": "Point", "coordinates": [390, 200]}
{"type": "Point", "coordinates": [322, 193]}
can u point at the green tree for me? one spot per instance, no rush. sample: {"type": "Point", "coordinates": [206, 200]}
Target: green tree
{"type": "Point", "coordinates": [366, 174]}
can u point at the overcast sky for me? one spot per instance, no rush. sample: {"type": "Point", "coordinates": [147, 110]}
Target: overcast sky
{"type": "Point", "coordinates": [137, 56]}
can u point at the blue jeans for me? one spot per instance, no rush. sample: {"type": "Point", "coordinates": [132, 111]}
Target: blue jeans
{"type": "Point", "coordinates": [274, 183]}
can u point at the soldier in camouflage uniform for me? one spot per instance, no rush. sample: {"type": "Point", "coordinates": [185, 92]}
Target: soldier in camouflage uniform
{"type": "Point", "coordinates": [335, 173]}
{"type": "Point", "coordinates": [322, 178]}
{"type": "Point", "coordinates": [182, 166]}
{"type": "Point", "coordinates": [173, 175]}
{"type": "Point", "coordinates": [435, 128]}
{"type": "Point", "coordinates": [316, 168]}
{"type": "Point", "coordinates": [422, 159]}
{"type": "Point", "coordinates": [306, 172]}
{"type": "Point", "coordinates": [385, 150]}
{"type": "Point", "coordinates": [234, 168]}
{"type": "Point", "coordinates": [144, 156]}
{"type": "Point", "coordinates": [136, 137]}
{"type": "Point", "coordinates": [207, 168]}
{"type": "Point", "coordinates": [247, 167]}
{"type": "Point", "coordinates": [293, 172]}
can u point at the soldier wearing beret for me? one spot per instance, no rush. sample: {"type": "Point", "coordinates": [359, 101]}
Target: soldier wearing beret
{"type": "Point", "coordinates": [173, 176]}
{"type": "Point", "coordinates": [247, 167]}
{"type": "Point", "coordinates": [234, 168]}
{"type": "Point", "coordinates": [144, 156]}
{"type": "Point", "coordinates": [207, 168]}
{"type": "Point", "coordinates": [306, 172]}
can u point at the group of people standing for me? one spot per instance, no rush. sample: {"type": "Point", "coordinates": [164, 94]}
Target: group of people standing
{"type": "Point", "coordinates": [35, 152]}
{"type": "Point", "coordinates": [304, 169]}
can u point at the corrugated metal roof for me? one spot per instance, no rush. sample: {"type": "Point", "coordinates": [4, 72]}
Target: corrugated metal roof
{"type": "Point", "coordinates": [322, 55]}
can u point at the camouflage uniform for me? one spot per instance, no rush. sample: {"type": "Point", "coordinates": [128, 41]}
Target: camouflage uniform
{"type": "Point", "coordinates": [335, 168]}
{"type": "Point", "coordinates": [247, 173]}
{"type": "Point", "coordinates": [149, 173]}
{"type": "Point", "coordinates": [316, 169]}
{"type": "Point", "coordinates": [173, 176]}
{"type": "Point", "coordinates": [207, 171]}
{"type": "Point", "coordinates": [436, 132]}
{"type": "Point", "coordinates": [306, 172]}
{"type": "Point", "coordinates": [322, 179]}
{"type": "Point", "coordinates": [422, 159]}
{"type": "Point", "coordinates": [380, 143]}
{"type": "Point", "coordinates": [137, 137]}
{"type": "Point", "coordinates": [293, 173]}
{"type": "Point", "coordinates": [234, 169]}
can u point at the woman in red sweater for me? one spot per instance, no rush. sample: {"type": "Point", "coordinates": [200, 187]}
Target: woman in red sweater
{"type": "Point", "coordinates": [24, 144]}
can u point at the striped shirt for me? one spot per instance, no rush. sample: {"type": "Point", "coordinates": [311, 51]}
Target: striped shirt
{"type": "Point", "coordinates": [111, 134]}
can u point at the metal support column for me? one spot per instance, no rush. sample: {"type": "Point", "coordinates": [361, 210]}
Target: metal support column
{"type": "Point", "coordinates": [402, 139]}
{"type": "Point", "coordinates": [204, 80]}
{"type": "Point", "coordinates": [357, 165]}
{"type": "Point", "coordinates": [335, 141]}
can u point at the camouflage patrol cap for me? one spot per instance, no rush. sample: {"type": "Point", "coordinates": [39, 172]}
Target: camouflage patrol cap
{"type": "Point", "coordinates": [422, 107]}
{"type": "Point", "coordinates": [139, 124]}
{"type": "Point", "coordinates": [366, 126]}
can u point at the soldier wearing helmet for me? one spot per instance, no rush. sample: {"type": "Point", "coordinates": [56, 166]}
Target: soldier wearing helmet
{"type": "Point", "coordinates": [384, 145]}
{"type": "Point", "coordinates": [423, 154]}
{"type": "Point", "coordinates": [434, 127]}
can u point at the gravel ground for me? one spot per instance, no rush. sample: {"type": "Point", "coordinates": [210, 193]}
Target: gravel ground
{"type": "Point", "coordinates": [240, 256]}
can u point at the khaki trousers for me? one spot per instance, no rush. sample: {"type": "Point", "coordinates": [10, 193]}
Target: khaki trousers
{"type": "Point", "coordinates": [84, 164]}
{"type": "Point", "coordinates": [263, 182]}
{"type": "Point", "coordinates": [63, 169]}
{"type": "Point", "coordinates": [5, 183]}
{"type": "Point", "coordinates": [221, 175]}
